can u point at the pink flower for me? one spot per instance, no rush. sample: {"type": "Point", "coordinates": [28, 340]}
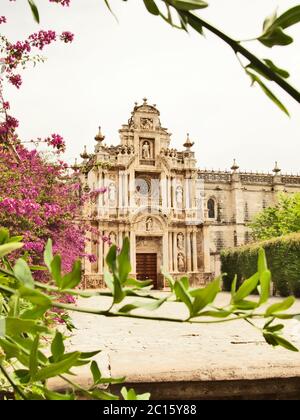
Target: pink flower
{"type": "Point", "coordinates": [15, 80]}
{"type": "Point", "coordinates": [67, 37]}
{"type": "Point", "coordinates": [2, 19]}
{"type": "Point", "coordinates": [42, 38]}
{"type": "Point", "coordinates": [57, 142]}
{"type": "Point", "coordinates": [62, 2]}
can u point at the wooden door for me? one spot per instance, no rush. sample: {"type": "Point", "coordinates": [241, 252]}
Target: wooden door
{"type": "Point", "coordinates": [146, 267]}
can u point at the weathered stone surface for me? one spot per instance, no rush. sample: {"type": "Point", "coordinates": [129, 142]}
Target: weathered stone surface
{"type": "Point", "coordinates": [154, 351]}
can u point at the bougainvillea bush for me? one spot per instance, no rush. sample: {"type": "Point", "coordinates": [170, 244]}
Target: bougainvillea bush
{"type": "Point", "coordinates": [39, 201]}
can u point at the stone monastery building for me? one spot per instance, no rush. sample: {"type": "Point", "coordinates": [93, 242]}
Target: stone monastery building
{"type": "Point", "coordinates": [177, 216]}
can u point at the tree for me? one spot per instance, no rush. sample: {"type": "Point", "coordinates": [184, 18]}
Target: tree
{"type": "Point", "coordinates": [281, 219]}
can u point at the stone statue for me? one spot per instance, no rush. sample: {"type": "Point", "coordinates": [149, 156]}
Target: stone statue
{"type": "Point", "coordinates": [180, 241]}
{"type": "Point", "coordinates": [179, 195]}
{"type": "Point", "coordinates": [149, 224]}
{"type": "Point", "coordinates": [113, 237]}
{"type": "Point", "coordinates": [181, 262]}
{"type": "Point", "coordinates": [112, 192]}
{"type": "Point", "coordinates": [146, 150]}
{"type": "Point", "coordinates": [146, 123]}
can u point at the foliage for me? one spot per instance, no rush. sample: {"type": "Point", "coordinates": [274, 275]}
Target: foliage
{"type": "Point", "coordinates": [282, 254]}
{"type": "Point", "coordinates": [281, 219]}
{"type": "Point", "coordinates": [25, 327]}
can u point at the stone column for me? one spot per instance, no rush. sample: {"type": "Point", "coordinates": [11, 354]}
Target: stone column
{"type": "Point", "coordinates": [169, 189]}
{"type": "Point", "coordinates": [163, 190]}
{"type": "Point", "coordinates": [187, 194]}
{"type": "Point", "coordinates": [100, 255]}
{"type": "Point", "coordinates": [194, 235]}
{"type": "Point", "coordinates": [120, 192]}
{"type": "Point", "coordinates": [165, 251]}
{"type": "Point", "coordinates": [188, 252]}
{"type": "Point", "coordinates": [131, 190]}
{"type": "Point", "coordinates": [206, 249]}
{"type": "Point", "coordinates": [170, 253]}
{"type": "Point", "coordinates": [106, 248]}
{"type": "Point", "coordinates": [88, 250]}
{"type": "Point", "coordinates": [175, 252]}
{"type": "Point", "coordinates": [126, 191]}
{"type": "Point", "coordinates": [120, 243]}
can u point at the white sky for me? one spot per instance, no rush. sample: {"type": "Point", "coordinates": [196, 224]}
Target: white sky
{"type": "Point", "coordinates": [196, 82]}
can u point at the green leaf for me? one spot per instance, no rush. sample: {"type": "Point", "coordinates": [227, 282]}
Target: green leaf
{"type": "Point", "coordinates": [186, 5]}
{"type": "Point", "coordinates": [109, 281]}
{"type": "Point", "coordinates": [215, 314]}
{"type": "Point", "coordinates": [33, 360]}
{"type": "Point", "coordinates": [57, 346]}
{"type": "Point", "coordinates": [9, 248]}
{"type": "Point", "coordinates": [246, 288]}
{"type": "Point", "coordinates": [276, 340]}
{"type": "Point", "coordinates": [4, 236]}
{"type": "Point", "coordinates": [268, 92]}
{"type": "Point", "coordinates": [95, 372]}
{"type": "Point", "coordinates": [262, 261]}
{"type": "Point", "coordinates": [269, 21]}
{"type": "Point", "coordinates": [275, 36]}
{"type": "Point", "coordinates": [246, 305]}
{"type": "Point", "coordinates": [56, 270]}
{"type": "Point", "coordinates": [57, 368]}
{"type": "Point", "coordinates": [58, 396]}
{"type": "Point", "coordinates": [23, 274]}
{"type": "Point", "coordinates": [123, 259]}
{"type": "Point", "coordinates": [141, 305]}
{"type": "Point", "coordinates": [183, 296]}
{"type": "Point", "coordinates": [151, 7]}
{"type": "Point", "coordinates": [14, 239]}
{"type": "Point", "coordinates": [137, 283]}
{"type": "Point", "coordinates": [16, 326]}
{"type": "Point", "coordinates": [185, 282]}
{"type": "Point", "coordinates": [169, 279]}
{"type": "Point", "coordinates": [282, 306]}
{"type": "Point", "coordinates": [281, 72]}
{"type": "Point", "coordinates": [265, 285]}
{"type": "Point", "coordinates": [34, 10]}
{"type": "Point", "coordinates": [34, 296]}
{"type": "Point", "coordinates": [205, 296]}
{"type": "Point", "coordinates": [275, 328]}
{"type": "Point", "coordinates": [72, 279]}
{"type": "Point", "coordinates": [48, 255]}
{"type": "Point", "coordinates": [233, 286]}
{"type": "Point", "coordinates": [99, 394]}
{"type": "Point", "coordinates": [289, 18]}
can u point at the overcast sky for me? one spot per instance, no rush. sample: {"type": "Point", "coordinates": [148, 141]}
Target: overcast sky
{"type": "Point", "coordinates": [197, 83]}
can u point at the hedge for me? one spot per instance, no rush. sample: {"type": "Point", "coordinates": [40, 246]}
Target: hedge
{"type": "Point", "coordinates": [283, 256]}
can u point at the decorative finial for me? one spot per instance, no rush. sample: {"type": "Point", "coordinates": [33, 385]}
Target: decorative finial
{"type": "Point", "coordinates": [188, 143]}
{"type": "Point", "coordinates": [135, 104]}
{"type": "Point", "coordinates": [99, 137]}
{"type": "Point", "coordinates": [234, 166]}
{"type": "Point", "coordinates": [84, 155]}
{"type": "Point", "coordinates": [276, 169]}
{"type": "Point", "coordinates": [75, 166]}
{"type": "Point", "coordinates": [145, 101]}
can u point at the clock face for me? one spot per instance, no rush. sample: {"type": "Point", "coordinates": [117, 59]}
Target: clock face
{"type": "Point", "coordinates": [142, 186]}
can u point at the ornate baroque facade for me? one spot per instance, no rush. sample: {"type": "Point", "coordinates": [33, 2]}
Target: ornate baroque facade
{"type": "Point", "coordinates": [177, 217]}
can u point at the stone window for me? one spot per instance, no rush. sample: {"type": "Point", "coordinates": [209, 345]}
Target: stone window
{"type": "Point", "coordinates": [211, 207]}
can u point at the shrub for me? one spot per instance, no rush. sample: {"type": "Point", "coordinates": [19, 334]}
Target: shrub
{"type": "Point", "coordinates": [283, 255]}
